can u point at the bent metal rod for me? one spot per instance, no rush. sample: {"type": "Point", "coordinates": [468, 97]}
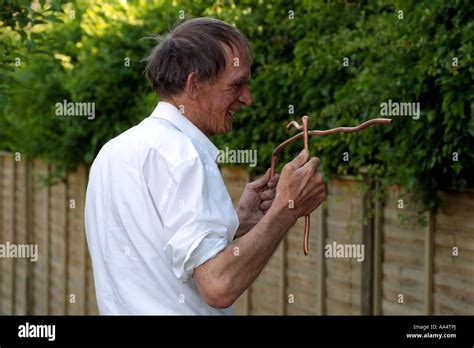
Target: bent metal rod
{"type": "Point", "coordinates": [305, 134]}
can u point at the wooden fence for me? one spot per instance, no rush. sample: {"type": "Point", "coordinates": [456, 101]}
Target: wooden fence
{"type": "Point", "coordinates": [407, 268]}
{"type": "Point", "coordinates": [410, 266]}
{"type": "Point", "coordinates": [51, 217]}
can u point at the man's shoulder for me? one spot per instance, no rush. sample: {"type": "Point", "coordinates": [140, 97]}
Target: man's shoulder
{"type": "Point", "coordinates": [155, 136]}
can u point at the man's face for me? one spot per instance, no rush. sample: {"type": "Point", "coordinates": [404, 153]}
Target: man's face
{"type": "Point", "coordinates": [219, 100]}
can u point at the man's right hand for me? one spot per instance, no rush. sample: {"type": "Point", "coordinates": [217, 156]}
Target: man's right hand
{"type": "Point", "coordinates": [301, 188]}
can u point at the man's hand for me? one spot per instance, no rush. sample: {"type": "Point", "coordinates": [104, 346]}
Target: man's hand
{"type": "Point", "coordinates": [301, 188]}
{"type": "Point", "coordinates": [255, 202]}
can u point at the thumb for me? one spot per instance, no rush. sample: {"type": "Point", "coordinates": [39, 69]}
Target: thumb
{"type": "Point", "coordinates": [300, 160]}
{"type": "Point", "coordinates": [260, 182]}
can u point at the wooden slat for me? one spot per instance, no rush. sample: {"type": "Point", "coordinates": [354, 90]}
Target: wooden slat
{"type": "Point", "coordinates": [282, 250]}
{"type": "Point", "coordinates": [367, 273]}
{"type": "Point", "coordinates": [29, 227]}
{"type": "Point", "coordinates": [235, 179]}
{"type": "Point", "coordinates": [265, 299]}
{"type": "Point", "coordinates": [445, 304]}
{"type": "Point", "coordinates": [41, 238]}
{"type": "Point", "coordinates": [378, 242]}
{"type": "Point", "coordinates": [57, 216]}
{"type": "Point", "coordinates": [91, 301]}
{"type": "Point", "coordinates": [76, 262]}
{"type": "Point", "coordinates": [344, 291]}
{"type": "Point", "coordinates": [305, 299]}
{"type": "Point", "coordinates": [21, 234]}
{"type": "Point", "coordinates": [321, 259]}
{"type": "Point", "coordinates": [337, 307]}
{"type": "Point", "coordinates": [240, 305]}
{"type": "Point", "coordinates": [392, 307]}
{"type": "Point", "coordinates": [412, 292]}
{"type": "Point", "coordinates": [460, 289]}
{"type": "Point", "coordinates": [92, 308]}
{"type": "Point", "coordinates": [7, 264]}
{"type": "Point", "coordinates": [444, 239]}
{"type": "Point", "coordinates": [296, 309]}
{"type": "Point", "coordinates": [342, 270]}
{"type": "Point", "coordinates": [462, 267]}
{"type": "Point", "coordinates": [301, 284]}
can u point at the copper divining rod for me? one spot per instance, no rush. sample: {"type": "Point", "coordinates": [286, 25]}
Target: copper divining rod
{"type": "Point", "coordinates": [305, 134]}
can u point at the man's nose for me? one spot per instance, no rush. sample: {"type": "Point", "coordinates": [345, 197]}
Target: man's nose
{"type": "Point", "coordinates": [246, 96]}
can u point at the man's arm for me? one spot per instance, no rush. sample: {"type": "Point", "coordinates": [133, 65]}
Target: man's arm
{"type": "Point", "coordinates": [222, 279]}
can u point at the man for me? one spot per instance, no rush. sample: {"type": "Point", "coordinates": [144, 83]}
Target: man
{"type": "Point", "coordinates": [162, 232]}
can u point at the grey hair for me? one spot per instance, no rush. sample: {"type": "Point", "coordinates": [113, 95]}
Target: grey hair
{"type": "Point", "coordinates": [194, 45]}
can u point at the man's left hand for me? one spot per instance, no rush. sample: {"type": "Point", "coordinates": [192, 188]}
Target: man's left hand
{"type": "Point", "coordinates": [255, 202]}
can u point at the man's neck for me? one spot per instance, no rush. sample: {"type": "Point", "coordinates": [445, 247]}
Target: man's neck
{"type": "Point", "coordinates": [187, 110]}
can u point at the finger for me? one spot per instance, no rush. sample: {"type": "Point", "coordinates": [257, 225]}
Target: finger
{"type": "Point", "coordinates": [313, 163]}
{"type": "Point", "coordinates": [261, 182]}
{"type": "Point", "coordinates": [267, 194]}
{"type": "Point", "coordinates": [265, 205]}
{"type": "Point", "coordinates": [300, 160]}
{"type": "Point", "coordinates": [273, 182]}
{"type": "Point", "coordinates": [320, 177]}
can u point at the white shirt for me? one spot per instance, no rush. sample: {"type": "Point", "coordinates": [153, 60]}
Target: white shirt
{"type": "Point", "coordinates": [156, 208]}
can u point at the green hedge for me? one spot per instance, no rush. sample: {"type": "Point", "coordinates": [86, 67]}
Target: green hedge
{"type": "Point", "coordinates": [298, 62]}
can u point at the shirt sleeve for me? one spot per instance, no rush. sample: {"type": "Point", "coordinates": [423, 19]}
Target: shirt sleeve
{"type": "Point", "coordinates": [194, 228]}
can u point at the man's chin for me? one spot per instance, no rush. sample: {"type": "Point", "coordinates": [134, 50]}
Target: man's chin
{"type": "Point", "coordinates": [223, 131]}
{"type": "Point", "coordinates": [226, 128]}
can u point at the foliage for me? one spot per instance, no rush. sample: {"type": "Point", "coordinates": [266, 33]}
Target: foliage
{"type": "Point", "coordinates": [18, 24]}
{"type": "Point", "coordinates": [298, 61]}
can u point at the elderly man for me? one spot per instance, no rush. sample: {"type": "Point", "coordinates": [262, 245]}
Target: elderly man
{"type": "Point", "coordinates": [162, 231]}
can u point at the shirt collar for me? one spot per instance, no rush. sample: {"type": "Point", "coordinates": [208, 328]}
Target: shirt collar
{"type": "Point", "coordinates": [170, 113]}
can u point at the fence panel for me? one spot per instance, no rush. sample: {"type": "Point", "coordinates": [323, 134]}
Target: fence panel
{"type": "Point", "coordinates": [454, 255]}
{"type": "Point", "coordinates": [418, 268]}
{"type": "Point", "coordinates": [403, 257]}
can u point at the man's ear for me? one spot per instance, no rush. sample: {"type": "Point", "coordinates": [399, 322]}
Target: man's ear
{"type": "Point", "coordinates": [192, 88]}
